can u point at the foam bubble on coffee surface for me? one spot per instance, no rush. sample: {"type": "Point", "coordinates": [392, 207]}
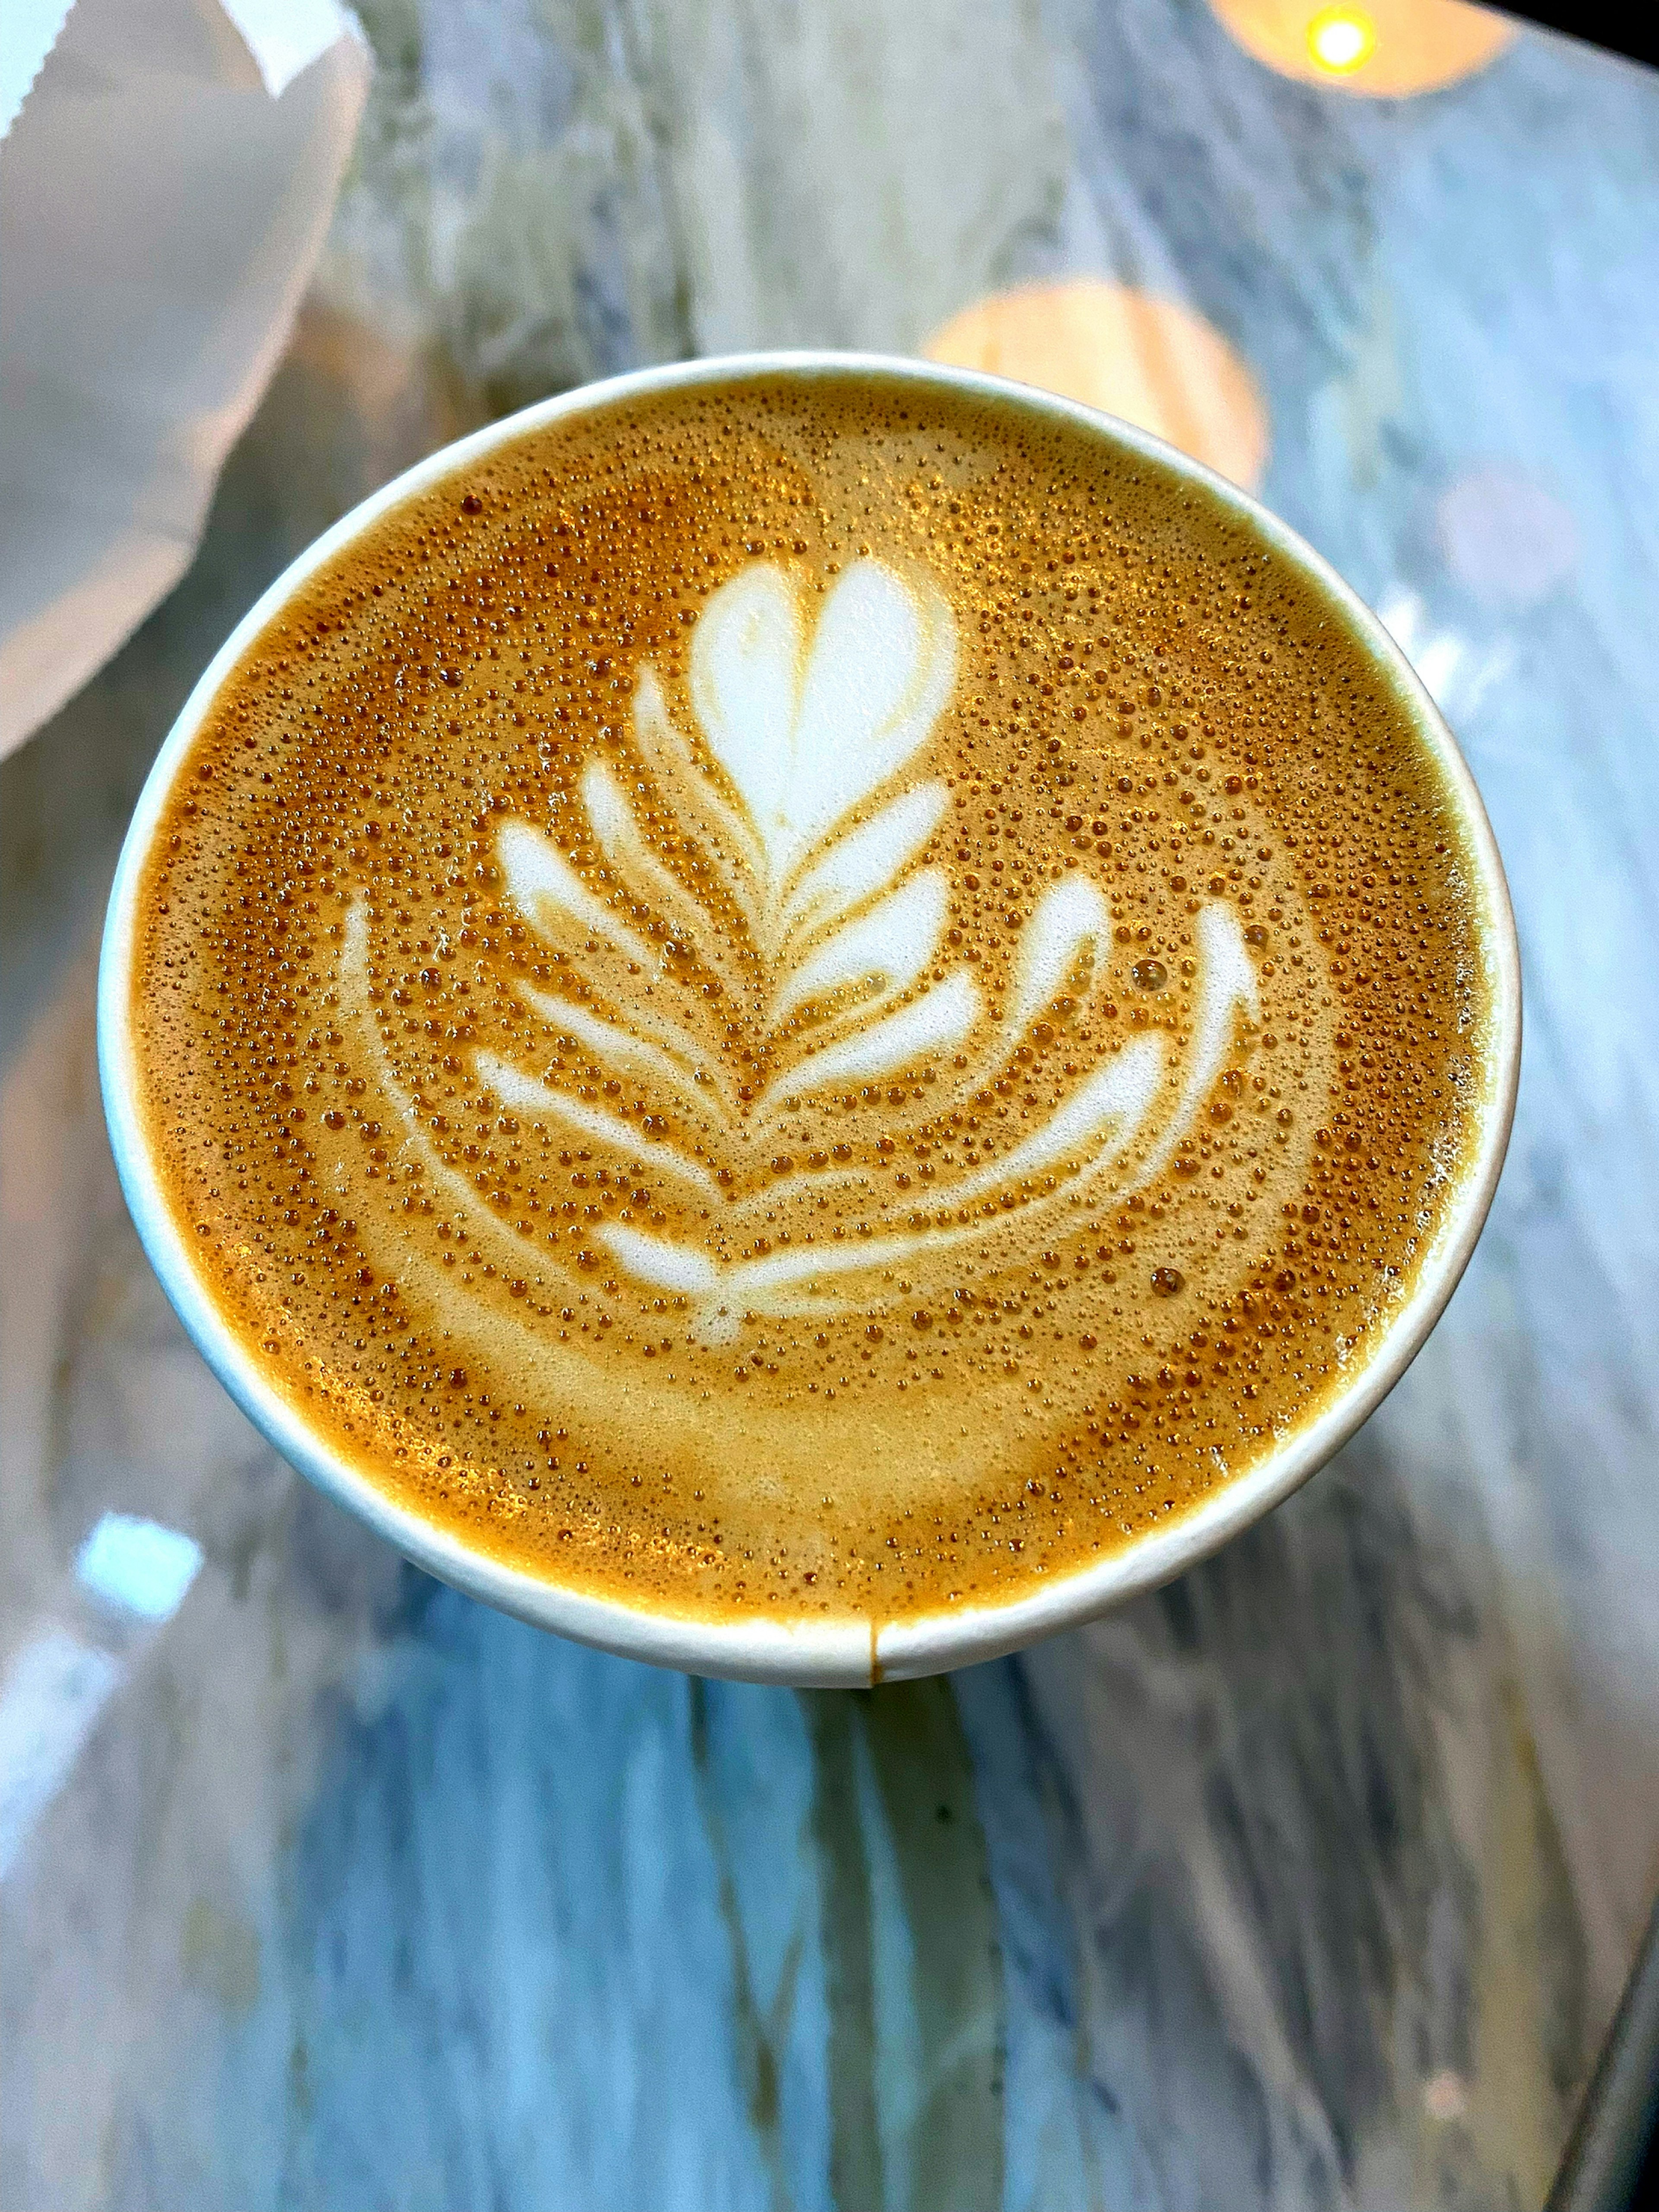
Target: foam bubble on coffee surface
{"type": "Point", "coordinates": [807, 1002]}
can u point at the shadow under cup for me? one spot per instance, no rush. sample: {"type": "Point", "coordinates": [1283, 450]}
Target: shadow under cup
{"type": "Point", "coordinates": [815, 1651]}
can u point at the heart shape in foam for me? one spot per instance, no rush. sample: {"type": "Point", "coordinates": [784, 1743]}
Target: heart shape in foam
{"type": "Point", "coordinates": [808, 728]}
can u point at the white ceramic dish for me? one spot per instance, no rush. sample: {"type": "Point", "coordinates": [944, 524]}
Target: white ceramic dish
{"type": "Point", "coordinates": [851, 1653]}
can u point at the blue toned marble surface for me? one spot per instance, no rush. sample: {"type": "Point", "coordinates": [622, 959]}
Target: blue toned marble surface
{"type": "Point", "coordinates": [1310, 1881]}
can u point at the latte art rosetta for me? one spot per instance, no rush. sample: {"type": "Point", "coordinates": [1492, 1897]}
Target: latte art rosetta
{"type": "Point", "coordinates": [814, 841]}
{"type": "Point", "coordinates": [806, 1000]}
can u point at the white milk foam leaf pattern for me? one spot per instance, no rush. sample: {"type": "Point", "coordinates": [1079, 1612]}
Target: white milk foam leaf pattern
{"type": "Point", "coordinates": [808, 726]}
{"type": "Point", "coordinates": [804, 1003]}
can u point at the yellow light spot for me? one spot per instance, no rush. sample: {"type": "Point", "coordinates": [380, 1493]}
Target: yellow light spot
{"type": "Point", "coordinates": [1341, 39]}
{"type": "Point", "coordinates": [1369, 49]}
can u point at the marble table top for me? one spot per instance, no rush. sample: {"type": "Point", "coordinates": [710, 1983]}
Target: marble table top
{"type": "Point", "coordinates": [1310, 1880]}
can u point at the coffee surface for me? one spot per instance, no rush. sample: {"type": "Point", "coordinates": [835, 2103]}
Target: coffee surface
{"type": "Point", "coordinates": [808, 999]}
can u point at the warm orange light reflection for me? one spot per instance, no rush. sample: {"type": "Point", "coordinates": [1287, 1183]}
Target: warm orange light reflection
{"type": "Point", "coordinates": [1149, 360]}
{"type": "Point", "coordinates": [1341, 39]}
{"type": "Point", "coordinates": [1386, 49]}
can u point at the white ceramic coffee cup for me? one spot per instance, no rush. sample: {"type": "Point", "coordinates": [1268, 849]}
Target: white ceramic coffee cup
{"type": "Point", "coordinates": [848, 1653]}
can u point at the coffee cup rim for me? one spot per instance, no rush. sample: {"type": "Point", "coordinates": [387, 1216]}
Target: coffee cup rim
{"type": "Point", "coordinates": [849, 1653]}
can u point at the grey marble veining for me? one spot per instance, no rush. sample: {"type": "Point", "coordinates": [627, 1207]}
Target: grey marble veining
{"type": "Point", "coordinates": [1310, 1880]}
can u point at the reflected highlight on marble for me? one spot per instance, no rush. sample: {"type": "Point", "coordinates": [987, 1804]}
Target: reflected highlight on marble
{"type": "Point", "coordinates": [131, 1577]}
{"type": "Point", "coordinates": [1381, 49]}
{"type": "Point", "coordinates": [1147, 360]}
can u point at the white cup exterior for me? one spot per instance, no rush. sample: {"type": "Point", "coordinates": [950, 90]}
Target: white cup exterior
{"type": "Point", "coordinates": [810, 1653]}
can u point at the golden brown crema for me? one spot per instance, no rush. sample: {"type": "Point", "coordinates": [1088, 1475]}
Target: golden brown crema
{"type": "Point", "coordinates": [808, 999]}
